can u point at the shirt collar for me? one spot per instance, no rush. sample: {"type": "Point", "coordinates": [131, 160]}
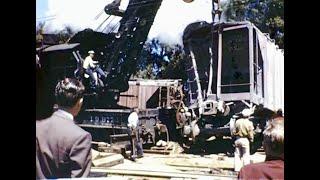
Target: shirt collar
{"type": "Point", "coordinates": [65, 113]}
{"type": "Point", "coordinates": [270, 158]}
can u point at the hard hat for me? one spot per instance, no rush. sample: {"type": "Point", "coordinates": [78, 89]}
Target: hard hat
{"type": "Point", "coordinates": [91, 52]}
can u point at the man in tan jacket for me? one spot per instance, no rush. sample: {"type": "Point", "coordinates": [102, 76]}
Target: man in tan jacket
{"type": "Point", "coordinates": [63, 149]}
{"type": "Point", "coordinates": [243, 131]}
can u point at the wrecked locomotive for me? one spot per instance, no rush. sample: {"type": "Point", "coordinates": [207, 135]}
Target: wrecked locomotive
{"type": "Point", "coordinates": [231, 67]}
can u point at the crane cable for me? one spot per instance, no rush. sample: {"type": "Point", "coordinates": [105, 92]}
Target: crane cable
{"type": "Point", "coordinates": [99, 14]}
{"type": "Point", "coordinates": [103, 23]}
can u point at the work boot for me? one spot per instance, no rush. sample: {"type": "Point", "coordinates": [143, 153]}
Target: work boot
{"type": "Point", "coordinates": [132, 158]}
{"type": "Point", "coordinates": [140, 156]}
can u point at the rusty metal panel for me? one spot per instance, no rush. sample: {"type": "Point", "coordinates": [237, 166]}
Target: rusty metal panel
{"type": "Point", "coordinates": [145, 94]}
{"type": "Point", "coordinates": [137, 96]}
{"type": "Point", "coordinates": [129, 98]}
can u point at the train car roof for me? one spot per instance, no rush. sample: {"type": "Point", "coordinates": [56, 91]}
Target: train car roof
{"type": "Point", "coordinates": [42, 47]}
{"type": "Point", "coordinates": [61, 47]}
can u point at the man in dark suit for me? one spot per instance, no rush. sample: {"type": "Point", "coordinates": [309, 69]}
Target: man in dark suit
{"type": "Point", "coordinates": [63, 149]}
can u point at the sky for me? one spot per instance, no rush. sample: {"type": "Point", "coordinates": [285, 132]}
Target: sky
{"type": "Point", "coordinates": [172, 17]}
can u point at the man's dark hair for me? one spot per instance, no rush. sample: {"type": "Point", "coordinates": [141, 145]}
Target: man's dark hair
{"type": "Point", "coordinates": [68, 92]}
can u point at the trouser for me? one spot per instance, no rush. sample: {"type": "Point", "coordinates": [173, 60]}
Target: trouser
{"type": "Point", "coordinates": [89, 71]}
{"type": "Point", "coordinates": [100, 71]}
{"type": "Point", "coordinates": [241, 153]}
{"type": "Point", "coordinates": [135, 144]}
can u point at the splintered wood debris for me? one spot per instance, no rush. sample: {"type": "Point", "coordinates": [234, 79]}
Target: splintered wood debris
{"type": "Point", "coordinates": [168, 162]}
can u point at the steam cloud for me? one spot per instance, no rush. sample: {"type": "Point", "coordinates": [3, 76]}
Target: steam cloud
{"type": "Point", "coordinates": [172, 17]}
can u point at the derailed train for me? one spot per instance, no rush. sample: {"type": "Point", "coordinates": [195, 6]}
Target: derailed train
{"type": "Point", "coordinates": [231, 67]}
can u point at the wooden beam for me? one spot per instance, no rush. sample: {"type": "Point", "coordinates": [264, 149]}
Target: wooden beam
{"type": "Point", "coordinates": [145, 173]}
{"type": "Point", "coordinates": [108, 161]}
{"type": "Point", "coordinates": [156, 151]}
{"type": "Point", "coordinates": [200, 163]}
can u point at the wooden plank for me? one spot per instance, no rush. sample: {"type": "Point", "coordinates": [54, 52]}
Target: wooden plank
{"type": "Point", "coordinates": [97, 155]}
{"type": "Point", "coordinates": [200, 163]}
{"type": "Point", "coordinates": [158, 148]}
{"type": "Point", "coordinates": [105, 149]}
{"type": "Point", "coordinates": [94, 154]}
{"type": "Point", "coordinates": [156, 151]}
{"type": "Point", "coordinates": [144, 173]}
{"type": "Point", "coordinates": [161, 148]}
{"type": "Point", "coordinates": [108, 161]}
{"type": "Point", "coordinates": [113, 149]}
{"type": "Point", "coordinates": [100, 143]}
{"type": "Point", "coordinates": [216, 171]}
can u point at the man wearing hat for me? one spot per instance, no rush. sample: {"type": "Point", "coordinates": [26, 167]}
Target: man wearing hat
{"type": "Point", "coordinates": [134, 135]}
{"type": "Point", "coordinates": [243, 132]}
{"type": "Point", "coordinates": [89, 65]}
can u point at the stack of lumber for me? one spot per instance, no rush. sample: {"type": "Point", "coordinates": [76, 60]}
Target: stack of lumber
{"type": "Point", "coordinates": [170, 148]}
{"type": "Point", "coordinates": [103, 159]}
{"type": "Point", "coordinates": [210, 161]}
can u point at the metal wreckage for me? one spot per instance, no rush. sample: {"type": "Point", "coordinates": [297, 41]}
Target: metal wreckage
{"type": "Point", "coordinates": [230, 67]}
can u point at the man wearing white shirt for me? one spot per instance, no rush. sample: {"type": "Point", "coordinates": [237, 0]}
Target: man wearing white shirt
{"type": "Point", "coordinates": [90, 66]}
{"type": "Point", "coordinates": [133, 132]}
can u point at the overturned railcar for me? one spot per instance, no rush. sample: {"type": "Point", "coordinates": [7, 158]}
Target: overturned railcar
{"type": "Point", "coordinates": [231, 66]}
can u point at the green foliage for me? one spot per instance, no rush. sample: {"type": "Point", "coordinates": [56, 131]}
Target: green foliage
{"type": "Point", "coordinates": [39, 32]}
{"type": "Point", "coordinates": [161, 61]}
{"type": "Point", "coordinates": [267, 15]}
{"type": "Point", "coordinates": [65, 34]}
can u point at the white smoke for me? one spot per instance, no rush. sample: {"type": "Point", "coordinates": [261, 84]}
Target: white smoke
{"type": "Point", "coordinates": [78, 14]}
{"type": "Point", "coordinates": [172, 17]}
{"type": "Point", "coordinates": [175, 15]}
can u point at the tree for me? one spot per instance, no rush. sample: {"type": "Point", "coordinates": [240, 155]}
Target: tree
{"type": "Point", "coordinates": [176, 68]}
{"type": "Point", "coordinates": [159, 61]}
{"type": "Point", "coordinates": [65, 34]}
{"type": "Point", "coordinates": [267, 15]}
{"type": "Point", "coordinates": [39, 32]}
{"type": "Point", "coordinates": [62, 35]}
